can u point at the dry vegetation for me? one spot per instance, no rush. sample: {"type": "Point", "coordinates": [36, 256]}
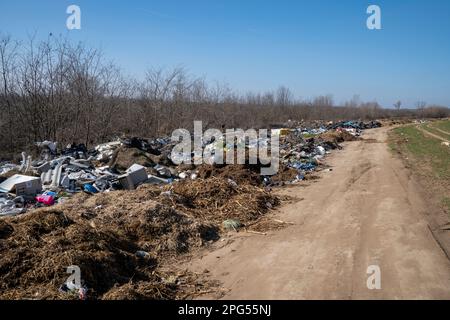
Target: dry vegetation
{"type": "Point", "coordinates": [102, 234]}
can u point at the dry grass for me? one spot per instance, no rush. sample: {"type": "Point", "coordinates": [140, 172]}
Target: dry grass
{"type": "Point", "coordinates": [102, 233]}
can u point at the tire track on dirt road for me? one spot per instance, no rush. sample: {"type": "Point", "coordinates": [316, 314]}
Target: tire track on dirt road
{"type": "Point", "coordinates": [367, 211]}
{"type": "Point", "coordinates": [430, 134]}
{"type": "Point", "coordinates": [441, 131]}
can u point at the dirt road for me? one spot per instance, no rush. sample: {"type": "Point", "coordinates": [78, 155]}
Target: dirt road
{"type": "Point", "coordinates": [430, 134]}
{"type": "Point", "coordinates": [367, 211]}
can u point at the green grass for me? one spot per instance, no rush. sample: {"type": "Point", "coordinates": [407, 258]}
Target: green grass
{"type": "Point", "coordinates": [436, 132]}
{"type": "Point", "coordinates": [428, 158]}
{"type": "Point", "coordinates": [428, 150]}
{"type": "Point", "coordinates": [443, 125]}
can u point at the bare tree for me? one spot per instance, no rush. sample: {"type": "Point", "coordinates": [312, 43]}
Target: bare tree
{"type": "Point", "coordinates": [398, 105]}
{"type": "Point", "coordinates": [66, 92]}
{"type": "Point", "coordinates": [420, 106]}
{"type": "Point", "coordinates": [8, 51]}
{"type": "Point", "coordinates": [323, 101]}
{"type": "Point", "coordinates": [284, 96]}
{"type": "Point", "coordinates": [354, 102]}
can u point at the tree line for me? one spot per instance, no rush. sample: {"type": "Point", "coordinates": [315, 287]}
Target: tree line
{"type": "Point", "coordinates": [60, 91]}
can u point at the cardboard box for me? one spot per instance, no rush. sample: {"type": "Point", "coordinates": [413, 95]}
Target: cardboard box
{"type": "Point", "coordinates": [22, 185]}
{"type": "Point", "coordinates": [135, 175]}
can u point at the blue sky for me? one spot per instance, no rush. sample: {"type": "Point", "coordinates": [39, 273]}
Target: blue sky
{"type": "Point", "coordinates": [313, 47]}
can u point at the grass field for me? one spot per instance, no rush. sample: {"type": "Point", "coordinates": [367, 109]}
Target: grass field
{"type": "Point", "coordinates": [428, 157]}
{"type": "Point", "coordinates": [438, 128]}
{"type": "Point", "coordinates": [426, 149]}
{"type": "Point", "coordinates": [443, 125]}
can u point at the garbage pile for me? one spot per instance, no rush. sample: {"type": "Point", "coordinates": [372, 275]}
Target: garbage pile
{"type": "Point", "coordinates": [54, 177]}
{"type": "Point", "coordinates": [124, 164]}
{"type": "Point", "coordinates": [355, 127]}
{"type": "Point", "coordinates": [123, 213]}
{"type": "Point", "coordinates": [304, 149]}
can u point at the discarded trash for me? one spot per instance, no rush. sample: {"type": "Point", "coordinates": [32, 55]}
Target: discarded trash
{"type": "Point", "coordinates": [142, 254]}
{"type": "Point", "coordinates": [70, 287]}
{"type": "Point", "coordinates": [170, 210]}
{"type": "Point", "coordinates": [47, 198]}
{"type": "Point", "coordinates": [106, 150]}
{"type": "Point", "coordinates": [232, 183]}
{"type": "Point", "coordinates": [5, 168]}
{"type": "Point", "coordinates": [50, 145]}
{"type": "Point", "coordinates": [231, 224]}
{"type": "Point", "coordinates": [11, 206]}
{"type": "Point", "coordinates": [183, 175]}
{"type": "Point", "coordinates": [89, 188]}
{"type": "Point", "coordinates": [142, 161]}
{"type": "Point", "coordinates": [321, 150]}
{"type": "Point", "coordinates": [157, 180]}
{"type": "Point", "coordinates": [135, 175]}
{"type": "Point", "coordinates": [21, 185]}
{"type": "Point", "coordinates": [304, 166]}
{"type": "Point", "coordinates": [163, 171]}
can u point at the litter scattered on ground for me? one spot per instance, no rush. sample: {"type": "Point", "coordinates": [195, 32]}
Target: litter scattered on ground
{"type": "Point", "coordinates": [124, 164]}
{"type": "Point", "coordinates": [123, 211]}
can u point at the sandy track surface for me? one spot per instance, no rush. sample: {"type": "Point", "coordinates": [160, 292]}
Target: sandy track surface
{"type": "Point", "coordinates": [367, 211]}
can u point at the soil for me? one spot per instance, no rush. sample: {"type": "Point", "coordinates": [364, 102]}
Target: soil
{"type": "Point", "coordinates": [368, 211]}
